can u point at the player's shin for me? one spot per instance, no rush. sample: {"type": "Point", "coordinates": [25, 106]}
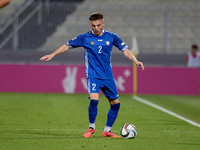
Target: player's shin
{"type": "Point", "coordinates": [111, 117]}
{"type": "Point", "coordinates": [92, 111]}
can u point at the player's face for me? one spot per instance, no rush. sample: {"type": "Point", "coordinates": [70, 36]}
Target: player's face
{"type": "Point", "coordinates": [194, 50]}
{"type": "Point", "coordinates": [97, 27]}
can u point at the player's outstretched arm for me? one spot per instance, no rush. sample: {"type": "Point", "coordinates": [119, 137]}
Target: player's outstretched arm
{"type": "Point", "coordinates": [60, 50]}
{"type": "Point", "coordinates": [128, 54]}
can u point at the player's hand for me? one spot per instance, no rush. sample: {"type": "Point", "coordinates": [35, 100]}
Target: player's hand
{"type": "Point", "coordinates": [47, 57]}
{"type": "Point", "coordinates": [141, 64]}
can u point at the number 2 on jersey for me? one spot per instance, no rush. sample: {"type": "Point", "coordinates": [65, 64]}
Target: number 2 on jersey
{"type": "Point", "coordinates": [100, 48]}
{"type": "Point", "coordinates": [93, 86]}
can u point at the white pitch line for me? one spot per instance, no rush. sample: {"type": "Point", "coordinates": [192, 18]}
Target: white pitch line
{"type": "Point", "coordinates": [165, 110]}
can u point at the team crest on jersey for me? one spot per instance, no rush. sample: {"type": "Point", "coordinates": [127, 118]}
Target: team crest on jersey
{"type": "Point", "coordinates": [108, 42]}
{"type": "Point", "coordinates": [92, 42]}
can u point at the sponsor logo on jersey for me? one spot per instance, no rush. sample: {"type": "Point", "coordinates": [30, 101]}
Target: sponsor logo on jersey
{"type": "Point", "coordinates": [74, 38]}
{"type": "Point", "coordinates": [100, 40]}
{"type": "Point", "coordinates": [92, 42]}
{"type": "Point", "coordinates": [108, 42]}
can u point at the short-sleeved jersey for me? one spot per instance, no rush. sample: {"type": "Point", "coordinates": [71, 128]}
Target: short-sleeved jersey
{"type": "Point", "coordinates": [98, 52]}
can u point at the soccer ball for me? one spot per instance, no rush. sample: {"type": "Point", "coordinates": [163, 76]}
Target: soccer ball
{"type": "Point", "coordinates": [128, 131]}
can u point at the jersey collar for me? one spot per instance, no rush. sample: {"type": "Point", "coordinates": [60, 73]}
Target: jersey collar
{"type": "Point", "coordinates": [93, 32]}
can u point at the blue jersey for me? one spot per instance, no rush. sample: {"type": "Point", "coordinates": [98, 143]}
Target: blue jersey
{"type": "Point", "coordinates": [98, 52]}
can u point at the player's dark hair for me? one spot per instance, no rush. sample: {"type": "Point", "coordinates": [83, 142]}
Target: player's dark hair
{"type": "Point", "coordinates": [194, 46]}
{"type": "Point", "coordinates": [96, 16]}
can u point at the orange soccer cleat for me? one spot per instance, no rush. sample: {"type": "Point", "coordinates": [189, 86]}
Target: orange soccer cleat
{"type": "Point", "coordinates": [110, 134]}
{"type": "Point", "coordinates": [89, 132]}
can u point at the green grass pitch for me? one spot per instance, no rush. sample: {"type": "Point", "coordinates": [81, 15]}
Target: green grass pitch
{"type": "Point", "coordinates": [58, 122]}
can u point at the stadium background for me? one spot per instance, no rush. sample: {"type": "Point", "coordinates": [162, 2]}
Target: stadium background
{"type": "Point", "coordinates": [37, 114]}
{"type": "Point", "coordinates": [165, 31]}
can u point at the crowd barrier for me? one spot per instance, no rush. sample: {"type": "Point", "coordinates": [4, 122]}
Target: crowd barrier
{"type": "Point", "coordinates": [72, 79]}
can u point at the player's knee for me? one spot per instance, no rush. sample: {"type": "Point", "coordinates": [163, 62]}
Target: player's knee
{"type": "Point", "coordinates": [114, 101]}
{"type": "Point", "coordinates": [94, 96]}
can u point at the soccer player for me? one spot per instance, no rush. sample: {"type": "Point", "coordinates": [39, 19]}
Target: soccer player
{"type": "Point", "coordinates": [4, 3]}
{"type": "Point", "coordinates": [193, 57]}
{"type": "Point", "coordinates": [98, 45]}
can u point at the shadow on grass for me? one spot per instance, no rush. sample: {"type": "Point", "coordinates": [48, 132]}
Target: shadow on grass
{"type": "Point", "coordinates": [27, 134]}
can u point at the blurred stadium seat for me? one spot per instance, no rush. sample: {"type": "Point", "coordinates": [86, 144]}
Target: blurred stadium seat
{"type": "Point", "coordinates": [143, 19]}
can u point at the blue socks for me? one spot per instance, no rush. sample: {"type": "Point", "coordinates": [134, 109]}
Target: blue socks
{"type": "Point", "coordinates": [111, 117]}
{"type": "Point", "coordinates": [112, 114]}
{"type": "Point", "coordinates": [92, 111]}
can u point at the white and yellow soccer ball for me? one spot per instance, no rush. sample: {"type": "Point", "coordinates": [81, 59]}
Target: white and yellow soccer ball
{"type": "Point", "coordinates": [128, 131]}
